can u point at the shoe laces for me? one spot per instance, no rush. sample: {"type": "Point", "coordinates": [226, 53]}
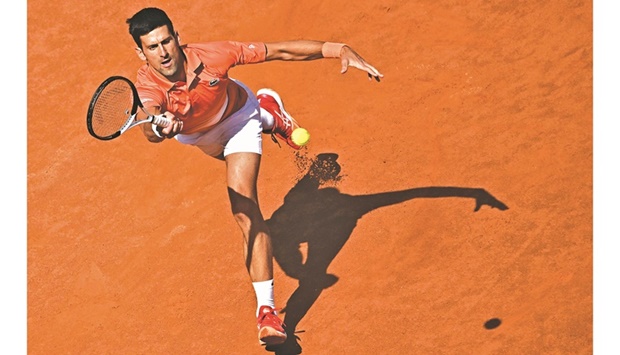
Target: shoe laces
{"type": "Point", "coordinates": [270, 318]}
{"type": "Point", "coordinates": [282, 125]}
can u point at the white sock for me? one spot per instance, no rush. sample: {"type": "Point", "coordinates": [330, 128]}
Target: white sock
{"type": "Point", "coordinates": [267, 120]}
{"type": "Point", "coordinates": [264, 294]}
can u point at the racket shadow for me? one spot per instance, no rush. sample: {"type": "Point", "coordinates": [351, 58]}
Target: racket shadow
{"type": "Point", "coordinates": [323, 219]}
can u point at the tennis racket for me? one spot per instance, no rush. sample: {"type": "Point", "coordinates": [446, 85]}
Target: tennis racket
{"type": "Point", "coordinates": [114, 107]}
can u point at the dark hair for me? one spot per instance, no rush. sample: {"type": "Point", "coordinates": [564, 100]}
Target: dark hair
{"type": "Point", "coordinates": [145, 21]}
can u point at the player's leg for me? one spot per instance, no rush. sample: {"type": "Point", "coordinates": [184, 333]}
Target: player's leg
{"type": "Point", "coordinates": [242, 152]}
{"type": "Point", "coordinates": [242, 174]}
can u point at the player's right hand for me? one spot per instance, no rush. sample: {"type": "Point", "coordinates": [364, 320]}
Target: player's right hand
{"type": "Point", "coordinates": [172, 129]}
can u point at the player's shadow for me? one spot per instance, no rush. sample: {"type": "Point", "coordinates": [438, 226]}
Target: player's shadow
{"type": "Point", "coordinates": [323, 219]}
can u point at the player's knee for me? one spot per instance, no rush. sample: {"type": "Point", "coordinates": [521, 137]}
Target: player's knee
{"type": "Point", "coordinates": [243, 220]}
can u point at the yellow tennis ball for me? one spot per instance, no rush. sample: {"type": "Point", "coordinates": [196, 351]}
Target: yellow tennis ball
{"type": "Point", "coordinates": [300, 136]}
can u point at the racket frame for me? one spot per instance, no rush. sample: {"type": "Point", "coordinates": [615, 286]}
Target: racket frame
{"type": "Point", "coordinates": [131, 121]}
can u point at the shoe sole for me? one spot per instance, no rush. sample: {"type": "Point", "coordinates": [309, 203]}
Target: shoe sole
{"type": "Point", "coordinates": [269, 336]}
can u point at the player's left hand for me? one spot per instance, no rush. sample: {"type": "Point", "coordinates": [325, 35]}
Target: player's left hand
{"type": "Point", "coordinates": [350, 58]}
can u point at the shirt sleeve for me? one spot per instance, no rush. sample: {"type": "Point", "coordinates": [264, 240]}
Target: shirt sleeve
{"type": "Point", "coordinates": [248, 52]}
{"type": "Point", "coordinates": [223, 55]}
{"type": "Point", "coordinates": [150, 94]}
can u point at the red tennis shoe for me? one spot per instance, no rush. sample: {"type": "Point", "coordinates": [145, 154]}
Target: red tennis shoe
{"type": "Point", "coordinates": [270, 327]}
{"type": "Point", "coordinates": [284, 123]}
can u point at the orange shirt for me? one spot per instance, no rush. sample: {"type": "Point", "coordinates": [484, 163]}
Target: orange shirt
{"type": "Point", "coordinates": [209, 95]}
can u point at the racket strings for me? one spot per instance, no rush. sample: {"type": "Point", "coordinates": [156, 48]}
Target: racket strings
{"type": "Point", "coordinates": [112, 108]}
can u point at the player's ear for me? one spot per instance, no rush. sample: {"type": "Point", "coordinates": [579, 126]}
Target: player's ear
{"type": "Point", "coordinates": [140, 54]}
{"type": "Point", "coordinates": [176, 33]}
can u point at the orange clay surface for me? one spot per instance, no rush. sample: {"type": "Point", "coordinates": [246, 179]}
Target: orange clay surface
{"type": "Point", "coordinates": [379, 249]}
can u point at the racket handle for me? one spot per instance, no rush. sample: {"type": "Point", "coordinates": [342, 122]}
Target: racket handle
{"type": "Point", "coordinates": [161, 121]}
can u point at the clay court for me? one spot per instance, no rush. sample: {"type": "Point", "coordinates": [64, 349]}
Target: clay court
{"type": "Point", "coordinates": [444, 210]}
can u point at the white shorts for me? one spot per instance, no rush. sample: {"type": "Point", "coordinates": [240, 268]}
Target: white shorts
{"type": "Point", "coordinates": [239, 133]}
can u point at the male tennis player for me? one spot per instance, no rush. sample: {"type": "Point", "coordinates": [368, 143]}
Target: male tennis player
{"type": "Point", "coordinates": [220, 115]}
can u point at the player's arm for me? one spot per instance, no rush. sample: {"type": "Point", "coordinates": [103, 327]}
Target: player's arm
{"type": "Point", "coordinates": [311, 50]}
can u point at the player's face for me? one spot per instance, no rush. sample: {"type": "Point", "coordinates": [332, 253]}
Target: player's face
{"type": "Point", "coordinates": [161, 50]}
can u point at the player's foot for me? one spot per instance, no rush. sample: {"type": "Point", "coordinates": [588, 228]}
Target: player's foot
{"type": "Point", "coordinates": [284, 124]}
{"type": "Point", "coordinates": [270, 327]}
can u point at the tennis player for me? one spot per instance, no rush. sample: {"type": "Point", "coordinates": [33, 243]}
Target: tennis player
{"type": "Point", "coordinates": [221, 116]}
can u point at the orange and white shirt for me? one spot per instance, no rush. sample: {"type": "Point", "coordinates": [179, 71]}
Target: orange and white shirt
{"type": "Point", "coordinates": [209, 95]}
